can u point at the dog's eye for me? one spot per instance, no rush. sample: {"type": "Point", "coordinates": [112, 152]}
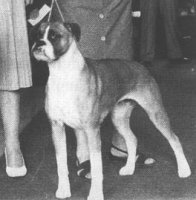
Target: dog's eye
{"type": "Point", "coordinates": [53, 36]}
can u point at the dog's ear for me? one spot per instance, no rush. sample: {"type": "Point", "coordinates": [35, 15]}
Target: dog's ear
{"type": "Point", "coordinates": [74, 28]}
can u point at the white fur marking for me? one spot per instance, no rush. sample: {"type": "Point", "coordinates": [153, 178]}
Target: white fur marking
{"type": "Point", "coordinates": [64, 103]}
{"type": "Point", "coordinates": [46, 34]}
{"type": "Point", "coordinates": [96, 190]}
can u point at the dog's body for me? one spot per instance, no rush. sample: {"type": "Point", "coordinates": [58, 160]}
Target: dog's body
{"type": "Point", "coordinates": [81, 92]}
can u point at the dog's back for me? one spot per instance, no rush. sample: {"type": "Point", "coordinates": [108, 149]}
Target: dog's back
{"type": "Point", "coordinates": [118, 77]}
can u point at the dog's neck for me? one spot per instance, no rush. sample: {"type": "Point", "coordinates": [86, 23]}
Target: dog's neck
{"type": "Point", "coordinates": [72, 62]}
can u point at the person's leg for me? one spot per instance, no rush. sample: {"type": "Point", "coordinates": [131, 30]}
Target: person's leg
{"type": "Point", "coordinates": [169, 12]}
{"type": "Point", "coordinates": [10, 113]}
{"type": "Point", "coordinates": [148, 28]}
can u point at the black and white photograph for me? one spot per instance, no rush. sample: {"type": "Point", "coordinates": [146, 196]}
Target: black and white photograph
{"type": "Point", "coordinates": [98, 99]}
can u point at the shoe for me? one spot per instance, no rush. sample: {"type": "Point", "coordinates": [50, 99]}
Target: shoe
{"type": "Point", "coordinates": [83, 169]}
{"type": "Point", "coordinates": [15, 171]}
{"type": "Point", "coordinates": [180, 61]}
{"type": "Point", "coordinates": [141, 159]}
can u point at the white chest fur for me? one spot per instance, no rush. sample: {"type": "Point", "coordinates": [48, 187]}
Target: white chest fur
{"type": "Point", "coordinates": [65, 87]}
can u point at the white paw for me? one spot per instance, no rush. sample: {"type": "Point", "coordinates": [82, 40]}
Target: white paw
{"type": "Point", "coordinates": [125, 171]}
{"type": "Point", "coordinates": [16, 171]}
{"type": "Point", "coordinates": [62, 193]}
{"type": "Point", "coordinates": [95, 197]}
{"type": "Point", "coordinates": [184, 172]}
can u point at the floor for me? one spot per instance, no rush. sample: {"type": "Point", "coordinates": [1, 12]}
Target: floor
{"type": "Point", "coordinates": [178, 86]}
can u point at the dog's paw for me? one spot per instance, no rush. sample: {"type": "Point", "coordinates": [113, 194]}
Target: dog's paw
{"type": "Point", "coordinates": [126, 171]}
{"type": "Point", "coordinates": [96, 190]}
{"type": "Point", "coordinates": [62, 193]}
{"type": "Point", "coordinates": [184, 172]}
{"type": "Point", "coordinates": [16, 172]}
{"type": "Point", "coordinates": [95, 197]}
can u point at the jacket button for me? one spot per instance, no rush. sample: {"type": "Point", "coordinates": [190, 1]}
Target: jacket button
{"type": "Point", "coordinates": [101, 15]}
{"type": "Point", "coordinates": [103, 38]}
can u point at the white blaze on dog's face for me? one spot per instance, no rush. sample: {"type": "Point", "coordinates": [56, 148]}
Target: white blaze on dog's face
{"type": "Point", "coordinates": [52, 41]}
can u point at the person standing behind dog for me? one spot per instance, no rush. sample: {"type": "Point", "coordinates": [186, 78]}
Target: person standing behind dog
{"type": "Point", "coordinates": [106, 32]}
{"type": "Point", "coordinates": [106, 26]}
{"type": "Point", "coordinates": [168, 10]}
{"type": "Point", "coordinates": [15, 73]}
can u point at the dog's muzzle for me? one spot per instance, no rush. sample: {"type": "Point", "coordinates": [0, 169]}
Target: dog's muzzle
{"type": "Point", "coordinates": [39, 50]}
{"type": "Point", "coordinates": [39, 45]}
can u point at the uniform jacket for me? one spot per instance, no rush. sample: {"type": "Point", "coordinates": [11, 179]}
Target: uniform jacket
{"type": "Point", "coordinates": [106, 26]}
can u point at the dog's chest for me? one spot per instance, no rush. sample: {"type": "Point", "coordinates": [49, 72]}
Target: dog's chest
{"type": "Point", "coordinates": [63, 99]}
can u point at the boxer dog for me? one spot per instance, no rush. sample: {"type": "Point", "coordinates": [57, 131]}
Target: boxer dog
{"type": "Point", "coordinates": [80, 92]}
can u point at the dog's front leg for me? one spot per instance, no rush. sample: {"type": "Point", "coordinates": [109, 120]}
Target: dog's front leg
{"type": "Point", "coordinates": [94, 144]}
{"type": "Point", "coordinates": [59, 140]}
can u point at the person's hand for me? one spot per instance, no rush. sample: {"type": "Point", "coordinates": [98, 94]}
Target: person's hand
{"type": "Point", "coordinates": [28, 2]}
{"type": "Point", "coordinates": [34, 14]}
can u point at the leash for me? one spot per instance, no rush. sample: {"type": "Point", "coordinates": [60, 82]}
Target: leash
{"type": "Point", "coordinates": [58, 8]}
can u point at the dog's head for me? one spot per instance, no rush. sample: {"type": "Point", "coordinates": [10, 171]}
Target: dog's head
{"type": "Point", "coordinates": [52, 40]}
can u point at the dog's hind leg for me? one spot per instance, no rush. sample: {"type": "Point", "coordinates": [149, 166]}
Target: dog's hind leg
{"type": "Point", "coordinates": [94, 144]}
{"type": "Point", "coordinates": [121, 119]}
{"type": "Point", "coordinates": [82, 151]}
{"type": "Point", "coordinates": [150, 99]}
{"type": "Point", "coordinates": [59, 140]}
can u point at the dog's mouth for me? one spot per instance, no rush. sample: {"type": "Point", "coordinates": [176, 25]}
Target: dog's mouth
{"type": "Point", "coordinates": [41, 55]}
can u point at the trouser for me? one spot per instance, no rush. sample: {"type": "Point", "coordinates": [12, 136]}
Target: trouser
{"type": "Point", "coordinates": [168, 10]}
